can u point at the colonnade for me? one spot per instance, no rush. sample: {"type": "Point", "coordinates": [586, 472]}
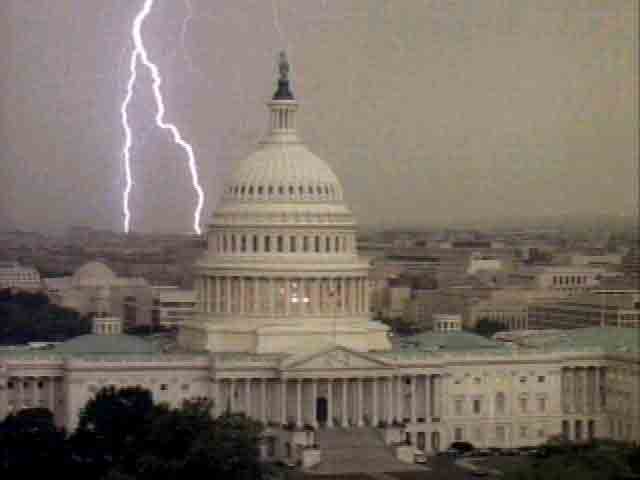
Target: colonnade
{"type": "Point", "coordinates": [283, 296]}
{"type": "Point", "coordinates": [583, 390]}
{"type": "Point", "coordinates": [332, 402]}
{"type": "Point", "coordinates": [28, 392]}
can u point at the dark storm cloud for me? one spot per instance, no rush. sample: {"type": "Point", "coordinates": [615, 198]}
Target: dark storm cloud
{"type": "Point", "coordinates": [427, 110]}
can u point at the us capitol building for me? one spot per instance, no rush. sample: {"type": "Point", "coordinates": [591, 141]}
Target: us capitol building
{"type": "Point", "coordinates": [283, 333]}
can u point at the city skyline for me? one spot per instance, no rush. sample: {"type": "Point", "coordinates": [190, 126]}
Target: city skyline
{"type": "Point", "coordinates": [428, 112]}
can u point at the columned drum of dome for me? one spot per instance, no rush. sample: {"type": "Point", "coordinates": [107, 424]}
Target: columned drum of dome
{"type": "Point", "coordinates": [282, 271]}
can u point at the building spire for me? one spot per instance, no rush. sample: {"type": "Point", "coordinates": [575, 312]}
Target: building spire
{"type": "Point", "coordinates": [283, 92]}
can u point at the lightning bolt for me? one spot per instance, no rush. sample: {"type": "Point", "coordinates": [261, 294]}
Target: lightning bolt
{"type": "Point", "coordinates": [140, 55]}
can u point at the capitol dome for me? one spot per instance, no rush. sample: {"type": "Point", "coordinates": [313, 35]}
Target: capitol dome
{"type": "Point", "coordinates": [281, 272]}
{"type": "Point", "coordinates": [93, 274]}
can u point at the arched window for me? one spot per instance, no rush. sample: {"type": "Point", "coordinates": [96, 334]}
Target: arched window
{"type": "Point", "coordinates": [281, 190]}
{"type": "Point", "coordinates": [292, 244]}
{"type": "Point", "coordinates": [255, 243]}
{"type": "Point", "coordinates": [280, 244]}
{"type": "Point", "coordinates": [260, 189]}
{"type": "Point", "coordinates": [317, 244]}
{"type": "Point", "coordinates": [251, 190]}
{"type": "Point", "coordinates": [267, 243]}
{"type": "Point", "coordinates": [270, 189]}
{"type": "Point", "coordinates": [336, 245]}
{"type": "Point", "coordinates": [233, 243]}
{"type": "Point", "coordinates": [243, 243]}
{"type": "Point", "coordinates": [305, 244]}
{"type": "Point", "coordinates": [291, 190]}
{"type": "Point", "coordinates": [301, 190]}
{"type": "Point", "coordinates": [327, 244]}
{"type": "Point", "coordinates": [242, 190]}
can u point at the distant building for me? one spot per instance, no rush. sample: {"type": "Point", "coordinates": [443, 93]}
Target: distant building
{"type": "Point", "coordinates": [571, 280]}
{"type": "Point", "coordinates": [172, 306]}
{"type": "Point", "coordinates": [15, 276]}
{"type": "Point", "coordinates": [603, 308]}
{"type": "Point", "coordinates": [130, 298]}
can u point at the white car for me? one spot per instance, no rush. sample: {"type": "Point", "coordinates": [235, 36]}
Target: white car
{"type": "Point", "coordinates": [419, 456]}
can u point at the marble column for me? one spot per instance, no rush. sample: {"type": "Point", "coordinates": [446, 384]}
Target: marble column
{"type": "Point", "coordinates": [399, 399]}
{"type": "Point", "coordinates": [427, 397]}
{"type": "Point", "coordinates": [272, 297]}
{"type": "Point", "coordinates": [345, 417]}
{"type": "Point", "coordinates": [596, 386]}
{"type": "Point", "coordinates": [389, 392]}
{"type": "Point", "coordinates": [299, 403]}
{"type": "Point", "coordinates": [228, 294]}
{"type": "Point", "coordinates": [283, 401]}
{"type": "Point", "coordinates": [374, 394]}
{"type": "Point", "coordinates": [218, 308]}
{"type": "Point", "coordinates": [365, 287]}
{"type": "Point", "coordinates": [247, 397]}
{"type": "Point", "coordinates": [413, 379]}
{"type": "Point", "coordinates": [215, 409]}
{"type": "Point", "coordinates": [343, 295]}
{"type": "Point", "coordinates": [232, 395]}
{"type": "Point", "coordinates": [360, 406]}
{"type": "Point", "coordinates": [36, 391]}
{"type": "Point", "coordinates": [242, 295]}
{"type": "Point", "coordinates": [19, 404]}
{"type": "Point", "coordinates": [287, 296]}
{"type": "Point", "coordinates": [263, 400]}
{"type": "Point", "coordinates": [52, 394]}
{"type": "Point", "coordinates": [330, 403]}
{"type": "Point", "coordinates": [314, 401]}
{"type": "Point", "coordinates": [584, 390]}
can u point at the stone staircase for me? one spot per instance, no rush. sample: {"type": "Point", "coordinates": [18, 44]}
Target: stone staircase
{"type": "Point", "coordinates": [353, 450]}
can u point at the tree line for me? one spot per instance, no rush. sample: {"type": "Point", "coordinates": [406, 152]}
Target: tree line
{"type": "Point", "coordinates": [123, 435]}
{"type": "Point", "coordinates": [29, 317]}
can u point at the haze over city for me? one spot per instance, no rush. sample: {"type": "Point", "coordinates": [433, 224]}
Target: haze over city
{"type": "Point", "coordinates": [442, 112]}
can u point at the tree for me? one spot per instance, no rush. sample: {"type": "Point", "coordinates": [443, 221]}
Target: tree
{"type": "Point", "coordinates": [112, 426]}
{"type": "Point", "coordinates": [488, 328]}
{"type": "Point", "coordinates": [30, 442]}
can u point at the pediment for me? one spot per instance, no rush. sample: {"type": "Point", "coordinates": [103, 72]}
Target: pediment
{"type": "Point", "coordinates": [334, 358]}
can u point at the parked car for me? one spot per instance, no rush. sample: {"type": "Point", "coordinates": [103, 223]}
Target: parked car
{"type": "Point", "coordinates": [509, 452]}
{"type": "Point", "coordinates": [462, 446]}
{"type": "Point", "coordinates": [495, 451]}
{"type": "Point", "coordinates": [480, 472]}
{"type": "Point", "coordinates": [453, 452]}
{"type": "Point", "coordinates": [484, 452]}
{"type": "Point", "coordinates": [419, 457]}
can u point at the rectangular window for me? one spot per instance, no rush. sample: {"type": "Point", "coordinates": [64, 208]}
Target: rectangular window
{"type": "Point", "coordinates": [477, 406]}
{"type": "Point", "coordinates": [458, 406]}
{"type": "Point", "coordinates": [164, 387]}
{"type": "Point", "coordinates": [523, 379]}
{"type": "Point", "coordinates": [500, 433]}
{"type": "Point", "coordinates": [523, 431]}
{"type": "Point", "coordinates": [458, 434]}
{"type": "Point", "coordinates": [292, 244]}
{"type": "Point", "coordinates": [523, 405]}
{"type": "Point", "coordinates": [267, 244]}
{"type": "Point", "coordinates": [542, 404]}
{"type": "Point", "coordinates": [541, 379]}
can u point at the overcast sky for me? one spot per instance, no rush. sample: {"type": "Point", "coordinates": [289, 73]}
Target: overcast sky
{"type": "Point", "coordinates": [428, 110]}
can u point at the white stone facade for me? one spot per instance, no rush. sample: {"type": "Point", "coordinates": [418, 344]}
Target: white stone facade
{"type": "Point", "coordinates": [283, 333]}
